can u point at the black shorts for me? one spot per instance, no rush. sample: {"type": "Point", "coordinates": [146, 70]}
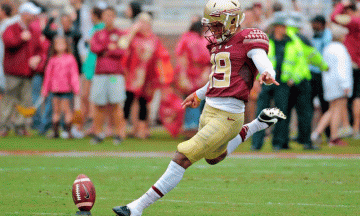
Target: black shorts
{"type": "Point", "coordinates": [69, 95]}
{"type": "Point", "coordinates": [356, 92]}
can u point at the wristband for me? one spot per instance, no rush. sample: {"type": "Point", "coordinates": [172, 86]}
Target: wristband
{"type": "Point", "coordinates": [197, 98]}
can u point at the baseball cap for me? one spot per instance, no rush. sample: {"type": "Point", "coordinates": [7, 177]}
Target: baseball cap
{"type": "Point", "coordinates": [30, 8]}
{"type": "Point", "coordinates": [280, 19]}
{"type": "Point", "coordinates": [102, 5]}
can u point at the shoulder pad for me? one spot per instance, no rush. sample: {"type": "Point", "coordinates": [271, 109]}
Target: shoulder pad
{"type": "Point", "coordinates": [256, 36]}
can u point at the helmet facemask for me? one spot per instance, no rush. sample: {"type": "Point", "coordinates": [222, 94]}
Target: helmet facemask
{"type": "Point", "coordinates": [222, 25]}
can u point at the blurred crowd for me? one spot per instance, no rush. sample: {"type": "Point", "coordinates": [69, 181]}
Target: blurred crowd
{"type": "Point", "coordinates": [73, 74]}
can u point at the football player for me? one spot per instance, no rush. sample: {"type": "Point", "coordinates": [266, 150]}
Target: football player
{"type": "Point", "coordinates": [236, 56]}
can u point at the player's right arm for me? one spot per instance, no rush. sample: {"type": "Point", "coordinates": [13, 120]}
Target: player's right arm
{"type": "Point", "coordinates": [195, 98]}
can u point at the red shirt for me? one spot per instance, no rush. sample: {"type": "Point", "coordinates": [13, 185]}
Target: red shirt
{"type": "Point", "coordinates": [143, 75]}
{"type": "Point", "coordinates": [352, 40]}
{"type": "Point", "coordinates": [233, 72]}
{"type": "Point", "coordinates": [18, 52]}
{"type": "Point", "coordinates": [193, 47]}
{"type": "Point", "coordinates": [108, 61]}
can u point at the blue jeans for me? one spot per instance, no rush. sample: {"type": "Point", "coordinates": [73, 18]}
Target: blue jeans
{"type": "Point", "coordinates": [41, 120]}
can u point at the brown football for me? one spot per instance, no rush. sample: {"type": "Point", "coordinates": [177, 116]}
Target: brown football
{"type": "Point", "coordinates": [83, 193]}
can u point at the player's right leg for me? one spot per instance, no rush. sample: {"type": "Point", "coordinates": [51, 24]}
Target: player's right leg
{"type": "Point", "coordinates": [266, 118]}
{"type": "Point", "coordinates": [165, 184]}
{"type": "Point", "coordinates": [213, 136]}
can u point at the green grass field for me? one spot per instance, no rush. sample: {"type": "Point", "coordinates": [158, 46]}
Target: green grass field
{"type": "Point", "coordinates": [36, 185]}
{"type": "Point", "coordinates": [41, 185]}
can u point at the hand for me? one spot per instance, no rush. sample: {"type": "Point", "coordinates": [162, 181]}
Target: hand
{"type": "Point", "coordinates": [327, 69]}
{"type": "Point", "coordinates": [346, 2]}
{"type": "Point", "coordinates": [137, 26]}
{"type": "Point", "coordinates": [347, 91]}
{"type": "Point", "coordinates": [34, 62]}
{"type": "Point", "coordinates": [267, 79]}
{"type": "Point", "coordinates": [25, 35]}
{"type": "Point", "coordinates": [55, 14]}
{"type": "Point", "coordinates": [290, 83]}
{"type": "Point", "coordinates": [191, 101]}
{"type": "Point", "coordinates": [112, 46]}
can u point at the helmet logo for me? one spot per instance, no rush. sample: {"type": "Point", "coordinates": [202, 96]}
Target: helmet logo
{"type": "Point", "coordinates": [217, 13]}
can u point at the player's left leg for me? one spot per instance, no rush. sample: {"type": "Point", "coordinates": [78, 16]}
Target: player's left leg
{"type": "Point", "coordinates": [267, 118]}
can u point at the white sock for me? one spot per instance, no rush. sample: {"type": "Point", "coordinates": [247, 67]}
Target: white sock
{"type": "Point", "coordinates": [254, 127]}
{"type": "Point", "coordinates": [247, 131]}
{"type": "Point", "coordinates": [164, 185]}
{"type": "Point", "coordinates": [314, 136]}
{"type": "Point", "coordinates": [233, 144]}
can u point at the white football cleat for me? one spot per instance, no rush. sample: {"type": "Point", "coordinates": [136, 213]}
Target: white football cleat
{"type": "Point", "coordinates": [271, 116]}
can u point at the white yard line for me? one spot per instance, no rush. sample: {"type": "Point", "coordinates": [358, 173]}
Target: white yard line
{"type": "Point", "coordinates": [35, 213]}
{"type": "Point", "coordinates": [169, 154]}
{"type": "Point", "coordinates": [228, 203]}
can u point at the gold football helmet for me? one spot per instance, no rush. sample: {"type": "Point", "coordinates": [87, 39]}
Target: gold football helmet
{"type": "Point", "coordinates": [223, 18]}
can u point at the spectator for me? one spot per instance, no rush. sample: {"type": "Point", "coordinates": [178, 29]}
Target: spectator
{"type": "Point", "coordinates": [249, 21]}
{"type": "Point", "coordinates": [108, 86]}
{"type": "Point", "coordinates": [282, 52]}
{"type": "Point", "coordinates": [338, 84]}
{"type": "Point", "coordinates": [346, 14]}
{"type": "Point", "coordinates": [258, 15]}
{"type": "Point", "coordinates": [5, 14]}
{"type": "Point", "coordinates": [301, 92]}
{"type": "Point", "coordinates": [22, 57]}
{"type": "Point", "coordinates": [88, 69]}
{"type": "Point", "coordinates": [145, 72]}
{"type": "Point", "coordinates": [193, 67]}
{"type": "Point", "coordinates": [41, 121]}
{"type": "Point", "coordinates": [273, 11]}
{"type": "Point", "coordinates": [132, 108]}
{"type": "Point", "coordinates": [289, 60]}
{"type": "Point", "coordinates": [84, 25]}
{"type": "Point", "coordinates": [68, 29]}
{"type": "Point", "coordinates": [321, 39]}
{"type": "Point", "coordinates": [62, 81]}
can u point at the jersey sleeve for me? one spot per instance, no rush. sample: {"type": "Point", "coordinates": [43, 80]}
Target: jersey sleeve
{"type": "Point", "coordinates": [256, 39]}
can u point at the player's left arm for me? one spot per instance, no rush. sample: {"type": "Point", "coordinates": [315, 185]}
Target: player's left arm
{"type": "Point", "coordinates": [264, 66]}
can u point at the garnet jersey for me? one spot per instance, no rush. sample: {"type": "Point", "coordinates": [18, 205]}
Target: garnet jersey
{"type": "Point", "coordinates": [233, 72]}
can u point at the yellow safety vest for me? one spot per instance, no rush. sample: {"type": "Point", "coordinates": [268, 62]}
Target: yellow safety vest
{"type": "Point", "coordinates": [295, 66]}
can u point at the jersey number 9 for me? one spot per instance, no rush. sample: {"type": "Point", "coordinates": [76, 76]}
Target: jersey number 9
{"type": "Point", "coordinates": [220, 65]}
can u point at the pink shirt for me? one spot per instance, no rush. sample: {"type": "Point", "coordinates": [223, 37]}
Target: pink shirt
{"type": "Point", "coordinates": [61, 75]}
